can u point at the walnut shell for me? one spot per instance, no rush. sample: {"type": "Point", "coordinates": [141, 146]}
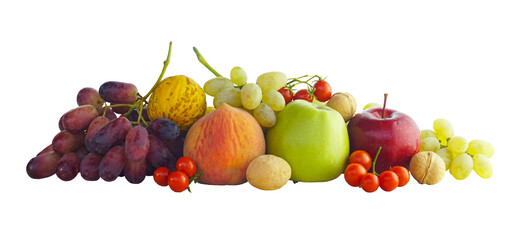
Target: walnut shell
{"type": "Point", "coordinates": [344, 103]}
{"type": "Point", "coordinates": [427, 167]}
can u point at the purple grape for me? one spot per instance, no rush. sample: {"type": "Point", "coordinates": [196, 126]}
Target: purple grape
{"type": "Point", "coordinates": [89, 166]}
{"type": "Point", "coordinates": [89, 96]}
{"type": "Point", "coordinates": [78, 119]}
{"type": "Point", "coordinates": [112, 164]}
{"type": "Point", "coordinates": [65, 141]}
{"type": "Point", "coordinates": [158, 154]}
{"type": "Point", "coordinates": [135, 172]}
{"type": "Point", "coordinates": [118, 92]}
{"type": "Point", "coordinates": [164, 129]}
{"type": "Point", "coordinates": [43, 165]}
{"type": "Point", "coordinates": [111, 134]}
{"type": "Point", "coordinates": [68, 167]}
{"type": "Point", "coordinates": [137, 144]}
{"type": "Point", "coordinates": [94, 127]}
{"type": "Point", "coordinates": [176, 146]}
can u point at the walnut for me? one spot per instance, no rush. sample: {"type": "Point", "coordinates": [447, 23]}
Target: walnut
{"type": "Point", "coordinates": [344, 103]}
{"type": "Point", "coordinates": [427, 167]}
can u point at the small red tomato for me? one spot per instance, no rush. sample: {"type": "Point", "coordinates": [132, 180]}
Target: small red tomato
{"type": "Point", "coordinates": [323, 91]}
{"type": "Point", "coordinates": [361, 157]}
{"type": "Point", "coordinates": [287, 94]}
{"type": "Point", "coordinates": [370, 182]}
{"type": "Point", "coordinates": [186, 165]}
{"type": "Point", "coordinates": [388, 180]}
{"type": "Point", "coordinates": [178, 181]}
{"type": "Point", "coordinates": [303, 94]}
{"type": "Point", "coordinates": [160, 176]}
{"type": "Point", "coordinates": [403, 175]}
{"type": "Point", "coordinates": [354, 173]}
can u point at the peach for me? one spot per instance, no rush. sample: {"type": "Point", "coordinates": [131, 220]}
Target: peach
{"type": "Point", "coordinates": [223, 143]}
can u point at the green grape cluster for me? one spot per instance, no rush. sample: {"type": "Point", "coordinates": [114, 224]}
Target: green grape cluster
{"type": "Point", "coordinates": [262, 99]}
{"type": "Point", "coordinates": [460, 156]}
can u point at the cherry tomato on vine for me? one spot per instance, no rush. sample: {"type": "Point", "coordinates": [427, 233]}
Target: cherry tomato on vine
{"type": "Point", "coordinates": [361, 157]}
{"type": "Point", "coordinates": [287, 94]}
{"type": "Point", "coordinates": [178, 181]}
{"type": "Point", "coordinates": [160, 176]}
{"type": "Point", "coordinates": [303, 94]}
{"type": "Point", "coordinates": [403, 175]}
{"type": "Point", "coordinates": [354, 173]}
{"type": "Point", "coordinates": [388, 180]}
{"type": "Point", "coordinates": [370, 182]}
{"type": "Point", "coordinates": [186, 165]}
{"type": "Point", "coordinates": [323, 91]}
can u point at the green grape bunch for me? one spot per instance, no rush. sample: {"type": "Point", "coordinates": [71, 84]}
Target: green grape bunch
{"type": "Point", "coordinates": [460, 156]}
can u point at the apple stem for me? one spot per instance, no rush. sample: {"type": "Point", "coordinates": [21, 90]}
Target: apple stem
{"type": "Point", "coordinates": [375, 161]}
{"type": "Point", "coordinates": [384, 107]}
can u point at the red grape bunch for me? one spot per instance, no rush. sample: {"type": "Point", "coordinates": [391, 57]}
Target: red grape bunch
{"type": "Point", "coordinates": [109, 135]}
{"type": "Point", "coordinates": [107, 141]}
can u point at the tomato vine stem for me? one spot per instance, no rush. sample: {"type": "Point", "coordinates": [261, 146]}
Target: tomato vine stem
{"type": "Point", "coordinates": [375, 161]}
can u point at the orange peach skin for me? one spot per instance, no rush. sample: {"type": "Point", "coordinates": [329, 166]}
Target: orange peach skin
{"type": "Point", "coordinates": [223, 143]}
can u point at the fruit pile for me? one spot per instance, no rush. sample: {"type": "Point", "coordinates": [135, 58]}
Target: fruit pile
{"type": "Point", "coordinates": [265, 133]}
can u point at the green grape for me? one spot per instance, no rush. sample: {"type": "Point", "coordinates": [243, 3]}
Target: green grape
{"type": "Point", "coordinates": [265, 116]}
{"type": "Point", "coordinates": [446, 155]}
{"type": "Point", "coordinates": [461, 166]}
{"type": "Point", "coordinates": [482, 166]}
{"type": "Point", "coordinates": [457, 144]}
{"type": "Point", "coordinates": [215, 85]}
{"type": "Point", "coordinates": [272, 80]}
{"type": "Point", "coordinates": [251, 96]}
{"type": "Point", "coordinates": [443, 129]}
{"type": "Point", "coordinates": [274, 99]}
{"type": "Point", "coordinates": [480, 147]}
{"type": "Point", "coordinates": [230, 96]}
{"type": "Point", "coordinates": [427, 133]}
{"type": "Point", "coordinates": [238, 76]}
{"type": "Point", "coordinates": [430, 144]}
{"type": "Point", "coordinates": [372, 105]}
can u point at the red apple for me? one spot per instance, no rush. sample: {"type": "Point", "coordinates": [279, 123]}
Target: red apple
{"type": "Point", "coordinates": [396, 132]}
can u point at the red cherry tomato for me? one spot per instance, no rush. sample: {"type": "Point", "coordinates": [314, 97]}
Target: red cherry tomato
{"type": "Point", "coordinates": [354, 173]}
{"type": "Point", "coordinates": [287, 94]}
{"type": "Point", "coordinates": [388, 180]}
{"type": "Point", "coordinates": [403, 175]}
{"type": "Point", "coordinates": [178, 181]}
{"type": "Point", "coordinates": [370, 182]}
{"type": "Point", "coordinates": [361, 157]}
{"type": "Point", "coordinates": [186, 165]}
{"type": "Point", "coordinates": [303, 94]}
{"type": "Point", "coordinates": [323, 91]}
{"type": "Point", "coordinates": [160, 176]}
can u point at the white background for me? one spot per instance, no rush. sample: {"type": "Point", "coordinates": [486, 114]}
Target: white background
{"type": "Point", "coordinates": [450, 59]}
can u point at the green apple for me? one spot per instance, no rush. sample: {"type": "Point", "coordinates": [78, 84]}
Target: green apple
{"type": "Point", "coordinates": [312, 138]}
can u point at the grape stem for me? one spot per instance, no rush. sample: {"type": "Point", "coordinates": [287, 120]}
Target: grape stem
{"type": "Point", "coordinates": [202, 60]}
{"type": "Point", "coordinates": [375, 160]}
{"type": "Point", "coordinates": [141, 100]}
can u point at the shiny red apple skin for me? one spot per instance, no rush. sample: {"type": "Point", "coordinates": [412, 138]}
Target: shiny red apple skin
{"type": "Point", "coordinates": [397, 133]}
